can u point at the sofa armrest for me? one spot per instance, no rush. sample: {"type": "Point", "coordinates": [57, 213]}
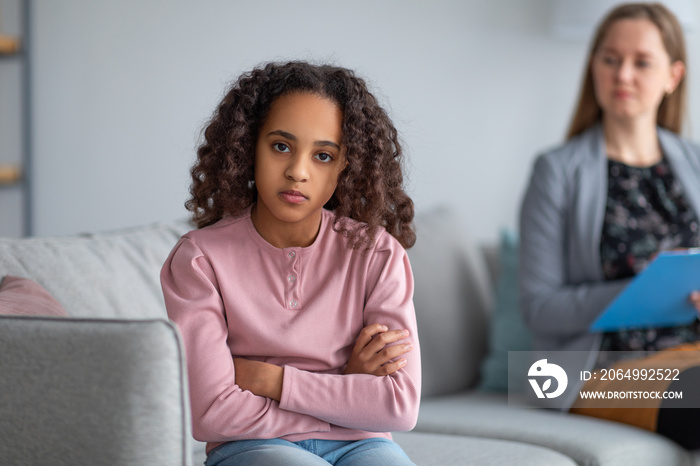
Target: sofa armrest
{"type": "Point", "coordinates": [88, 391]}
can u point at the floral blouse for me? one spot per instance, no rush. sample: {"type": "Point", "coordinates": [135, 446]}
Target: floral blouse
{"type": "Point", "coordinates": [646, 212]}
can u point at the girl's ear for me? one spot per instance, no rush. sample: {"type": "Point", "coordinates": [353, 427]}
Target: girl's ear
{"type": "Point", "coordinates": [342, 166]}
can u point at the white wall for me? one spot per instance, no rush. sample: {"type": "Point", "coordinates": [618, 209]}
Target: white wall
{"type": "Point", "coordinates": [122, 89]}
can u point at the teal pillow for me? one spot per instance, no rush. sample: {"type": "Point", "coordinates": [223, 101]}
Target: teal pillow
{"type": "Point", "coordinates": [507, 330]}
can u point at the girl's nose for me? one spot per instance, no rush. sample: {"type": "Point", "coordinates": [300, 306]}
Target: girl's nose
{"type": "Point", "coordinates": [298, 168]}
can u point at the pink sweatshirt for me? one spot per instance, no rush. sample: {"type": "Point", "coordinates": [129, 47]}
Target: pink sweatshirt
{"type": "Point", "coordinates": [233, 294]}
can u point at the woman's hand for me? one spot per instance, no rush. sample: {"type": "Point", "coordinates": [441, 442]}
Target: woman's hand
{"type": "Point", "coordinates": [261, 378]}
{"type": "Point", "coordinates": [695, 300]}
{"type": "Point", "coordinates": [372, 355]}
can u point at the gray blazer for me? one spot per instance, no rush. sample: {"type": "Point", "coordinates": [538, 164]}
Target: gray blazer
{"type": "Point", "coordinates": [562, 290]}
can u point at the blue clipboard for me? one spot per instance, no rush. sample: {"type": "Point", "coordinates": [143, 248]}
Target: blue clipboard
{"type": "Point", "coordinates": [658, 296]}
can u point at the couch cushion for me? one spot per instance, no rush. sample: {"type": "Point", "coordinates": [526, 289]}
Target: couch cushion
{"type": "Point", "coordinates": [453, 298]}
{"type": "Point", "coordinates": [114, 274]}
{"type": "Point", "coordinates": [586, 440]}
{"type": "Point", "coordinates": [22, 296]}
{"type": "Point", "coordinates": [426, 449]}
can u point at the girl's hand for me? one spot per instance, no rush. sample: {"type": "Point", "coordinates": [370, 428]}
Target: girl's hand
{"type": "Point", "coordinates": [371, 355]}
{"type": "Point", "coordinates": [261, 378]}
{"type": "Point", "coordinates": [695, 300]}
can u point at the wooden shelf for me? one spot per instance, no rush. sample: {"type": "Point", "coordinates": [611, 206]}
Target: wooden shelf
{"type": "Point", "coordinates": [8, 45]}
{"type": "Point", "coordinates": [10, 174]}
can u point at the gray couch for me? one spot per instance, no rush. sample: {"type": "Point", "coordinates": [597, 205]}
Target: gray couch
{"type": "Point", "coordinates": [106, 386]}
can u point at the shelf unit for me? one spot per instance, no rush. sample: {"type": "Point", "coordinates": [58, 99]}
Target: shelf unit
{"type": "Point", "coordinates": [9, 45]}
{"type": "Point", "coordinates": [14, 120]}
{"type": "Point", "coordinates": [9, 174]}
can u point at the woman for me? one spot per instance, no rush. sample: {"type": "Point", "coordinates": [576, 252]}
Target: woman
{"type": "Point", "coordinates": [623, 187]}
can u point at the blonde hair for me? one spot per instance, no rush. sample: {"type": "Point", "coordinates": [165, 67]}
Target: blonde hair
{"type": "Point", "coordinates": [672, 108]}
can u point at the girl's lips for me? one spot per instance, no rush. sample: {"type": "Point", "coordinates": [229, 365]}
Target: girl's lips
{"type": "Point", "coordinates": [293, 197]}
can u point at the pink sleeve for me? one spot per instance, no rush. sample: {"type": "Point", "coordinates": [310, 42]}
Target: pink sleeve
{"type": "Point", "coordinates": [362, 401]}
{"type": "Point", "coordinates": [221, 411]}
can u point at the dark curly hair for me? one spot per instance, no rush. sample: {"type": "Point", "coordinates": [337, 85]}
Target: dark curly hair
{"type": "Point", "coordinates": [370, 187]}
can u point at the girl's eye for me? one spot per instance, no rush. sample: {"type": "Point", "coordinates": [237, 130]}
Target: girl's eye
{"type": "Point", "coordinates": [323, 157]}
{"type": "Point", "coordinates": [643, 64]}
{"type": "Point", "coordinates": [281, 147]}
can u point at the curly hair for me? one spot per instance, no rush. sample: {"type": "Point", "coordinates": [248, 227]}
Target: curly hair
{"type": "Point", "coordinates": [370, 188]}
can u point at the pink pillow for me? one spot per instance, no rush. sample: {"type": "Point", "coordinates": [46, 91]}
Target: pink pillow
{"type": "Point", "coordinates": [25, 297]}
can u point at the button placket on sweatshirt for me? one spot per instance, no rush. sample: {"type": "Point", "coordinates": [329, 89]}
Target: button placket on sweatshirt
{"type": "Point", "coordinates": [292, 270]}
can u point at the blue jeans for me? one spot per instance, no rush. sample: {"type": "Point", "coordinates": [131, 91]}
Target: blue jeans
{"type": "Point", "coordinates": [277, 452]}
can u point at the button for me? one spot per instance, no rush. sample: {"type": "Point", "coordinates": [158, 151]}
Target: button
{"type": "Point", "coordinates": [291, 254]}
{"type": "Point", "coordinates": [293, 303]}
{"type": "Point", "coordinates": [292, 278]}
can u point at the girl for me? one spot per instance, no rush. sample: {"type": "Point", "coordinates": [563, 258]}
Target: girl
{"type": "Point", "coordinates": [294, 296]}
{"type": "Point", "coordinates": [598, 209]}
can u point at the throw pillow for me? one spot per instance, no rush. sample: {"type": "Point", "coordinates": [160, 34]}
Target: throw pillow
{"type": "Point", "coordinates": [507, 329]}
{"type": "Point", "coordinates": [22, 296]}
